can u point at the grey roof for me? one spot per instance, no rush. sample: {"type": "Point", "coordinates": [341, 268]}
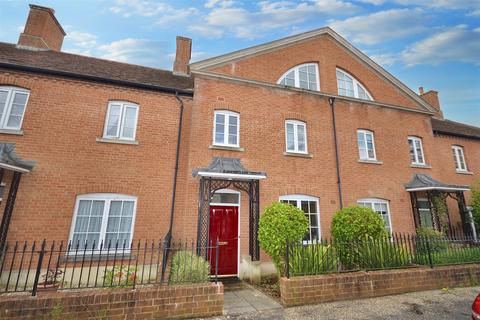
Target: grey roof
{"type": "Point", "coordinates": [449, 127]}
{"type": "Point", "coordinates": [226, 165]}
{"type": "Point", "coordinates": [422, 181]}
{"type": "Point", "coordinates": [10, 160]}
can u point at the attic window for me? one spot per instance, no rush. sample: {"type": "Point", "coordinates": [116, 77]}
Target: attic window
{"type": "Point", "coordinates": [304, 76]}
{"type": "Point", "coordinates": [350, 87]}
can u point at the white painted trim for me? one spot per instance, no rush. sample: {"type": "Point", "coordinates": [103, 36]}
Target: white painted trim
{"type": "Point", "coordinates": [458, 151]}
{"type": "Point", "coordinates": [226, 124]}
{"type": "Point", "coordinates": [438, 188]}
{"type": "Point", "coordinates": [296, 124]}
{"type": "Point", "coordinates": [295, 69]}
{"type": "Point", "coordinates": [107, 198]}
{"type": "Point", "coordinates": [119, 134]}
{"type": "Point", "coordinates": [414, 139]}
{"type": "Point", "coordinates": [270, 46]}
{"type": "Point", "coordinates": [13, 168]}
{"type": "Point", "coordinates": [379, 200]}
{"type": "Point", "coordinates": [355, 83]}
{"type": "Point", "coordinates": [231, 175]}
{"type": "Point", "coordinates": [11, 92]}
{"type": "Point", "coordinates": [364, 132]}
{"type": "Point", "coordinates": [238, 223]}
{"type": "Point", "coordinates": [299, 198]}
{"type": "Point", "coordinates": [220, 76]}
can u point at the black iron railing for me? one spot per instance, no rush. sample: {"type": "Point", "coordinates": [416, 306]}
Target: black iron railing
{"type": "Point", "coordinates": [52, 266]}
{"type": "Point", "coordinates": [390, 252]}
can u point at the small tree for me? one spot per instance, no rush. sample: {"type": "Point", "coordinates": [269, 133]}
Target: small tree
{"type": "Point", "coordinates": [278, 223]}
{"type": "Point", "coordinates": [475, 201]}
{"type": "Point", "coordinates": [355, 229]}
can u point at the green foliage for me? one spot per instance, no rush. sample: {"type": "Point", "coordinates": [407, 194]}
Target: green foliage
{"type": "Point", "coordinates": [475, 202]}
{"type": "Point", "coordinates": [357, 223]}
{"type": "Point", "coordinates": [454, 255]}
{"type": "Point", "coordinates": [122, 276]}
{"type": "Point", "coordinates": [436, 240]}
{"type": "Point", "coordinates": [187, 267]}
{"type": "Point", "coordinates": [315, 258]}
{"type": "Point", "coordinates": [280, 222]}
{"type": "Point", "coordinates": [352, 228]}
{"type": "Point", "coordinates": [381, 254]}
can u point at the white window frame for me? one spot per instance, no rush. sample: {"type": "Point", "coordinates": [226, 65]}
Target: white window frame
{"type": "Point", "coordinates": [11, 91]}
{"type": "Point", "coordinates": [415, 151]}
{"type": "Point", "coordinates": [226, 126]}
{"type": "Point", "coordinates": [372, 202]}
{"type": "Point", "coordinates": [295, 124]}
{"type": "Point", "coordinates": [355, 84]}
{"type": "Point", "coordinates": [365, 133]}
{"type": "Point", "coordinates": [119, 135]}
{"type": "Point", "coordinates": [299, 198]}
{"type": "Point", "coordinates": [459, 154]}
{"type": "Point", "coordinates": [108, 198]}
{"type": "Point", "coordinates": [297, 77]}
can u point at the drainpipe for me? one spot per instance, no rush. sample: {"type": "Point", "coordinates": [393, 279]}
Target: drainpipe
{"type": "Point", "coordinates": [331, 101]}
{"type": "Point", "coordinates": [177, 158]}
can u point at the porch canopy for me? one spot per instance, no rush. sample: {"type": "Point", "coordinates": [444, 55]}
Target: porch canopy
{"type": "Point", "coordinates": [223, 173]}
{"type": "Point", "coordinates": [426, 193]}
{"type": "Point", "coordinates": [10, 161]}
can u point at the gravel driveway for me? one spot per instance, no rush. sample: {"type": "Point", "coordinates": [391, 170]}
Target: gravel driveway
{"type": "Point", "coordinates": [449, 304]}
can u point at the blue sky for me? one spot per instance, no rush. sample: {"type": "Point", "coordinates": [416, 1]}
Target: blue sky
{"type": "Point", "coordinates": [429, 43]}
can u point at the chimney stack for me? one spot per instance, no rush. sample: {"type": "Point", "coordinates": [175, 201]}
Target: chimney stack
{"type": "Point", "coordinates": [42, 30]}
{"type": "Point", "coordinates": [431, 97]}
{"type": "Point", "coordinates": [182, 56]}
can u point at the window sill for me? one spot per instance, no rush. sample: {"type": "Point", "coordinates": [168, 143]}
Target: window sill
{"type": "Point", "coordinates": [96, 257]}
{"type": "Point", "coordinates": [14, 132]}
{"type": "Point", "coordinates": [370, 161]}
{"type": "Point", "coordinates": [117, 141]}
{"type": "Point", "coordinates": [300, 155]}
{"type": "Point", "coordinates": [226, 148]}
{"type": "Point", "coordinates": [465, 172]}
{"type": "Point", "coordinates": [421, 166]}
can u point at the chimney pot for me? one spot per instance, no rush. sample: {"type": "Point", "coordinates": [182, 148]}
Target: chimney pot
{"type": "Point", "coordinates": [42, 30]}
{"type": "Point", "coordinates": [182, 56]}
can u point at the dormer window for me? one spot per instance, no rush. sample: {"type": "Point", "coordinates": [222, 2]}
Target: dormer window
{"type": "Point", "coordinates": [350, 87]}
{"type": "Point", "coordinates": [304, 76]}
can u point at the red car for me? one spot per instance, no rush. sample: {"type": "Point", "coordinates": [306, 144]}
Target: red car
{"type": "Point", "coordinates": [476, 308]}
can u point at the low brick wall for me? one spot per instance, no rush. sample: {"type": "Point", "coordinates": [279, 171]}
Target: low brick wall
{"type": "Point", "coordinates": [316, 289]}
{"type": "Point", "coordinates": [156, 302]}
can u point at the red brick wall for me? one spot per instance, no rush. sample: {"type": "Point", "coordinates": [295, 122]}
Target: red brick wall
{"type": "Point", "coordinates": [333, 287]}
{"type": "Point", "coordinates": [160, 302]}
{"type": "Point", "coordinates": [62, 120]}
{"type": "Point", "coordinates": [41, 30]}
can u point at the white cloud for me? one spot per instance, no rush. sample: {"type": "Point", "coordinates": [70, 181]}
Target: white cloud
{"type": "Point", "coordinates": [230, 17]}
{"type": "Point", "coordinates": [384, 59]}
{"type": "Point", "coordinates": [381, 26]}
{"type": "Point", "coordinates": [456, 44]}
{"type": "Point", "coordinates": [136, 51]}
{"type": "Point", "coordinates": [437, 4]}
{"type": "Point", "coordinates": [80, 42]}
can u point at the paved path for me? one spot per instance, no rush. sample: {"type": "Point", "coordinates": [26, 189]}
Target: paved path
{"type": "Point", "coordinates": [449, 304]}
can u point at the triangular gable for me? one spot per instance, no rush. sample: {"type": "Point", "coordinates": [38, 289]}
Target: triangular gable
{"type": "Point", "coordinates": [221, 60]}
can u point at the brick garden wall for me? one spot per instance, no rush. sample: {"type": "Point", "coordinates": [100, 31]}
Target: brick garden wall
{"type": "Point", "coordinates": [333, 287]}
{"type": "Point", "coordinates": [159, 302]}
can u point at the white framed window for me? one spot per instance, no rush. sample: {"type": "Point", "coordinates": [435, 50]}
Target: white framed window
{"type": "Point", "coordinates": [351, 87]}
{"type": "Point", "coordinates": [459, 158]}
{"type": "Point", "coordinates": [226, 128]}
{"type": "Point", "coordinates": [121, 120]}
{"type": "Point", "coordinates": [103, 217]}
{"type": "Point", "coordinates": [303, 76]}
{"type": "Point", "coordinates": [366, 145]}
{"type": "Point", "coordinates": [381, 207]}
{"type": "Point", "coordinates": [296, 136]}
{"type": "Point", "coordinates": [310, 206]}
{"type": "Point", "coordinates": [416, 150]}
{"type": "Point", "coordinates": [13, 102]}
{"type": "Point", "coordinates": [425, 213]}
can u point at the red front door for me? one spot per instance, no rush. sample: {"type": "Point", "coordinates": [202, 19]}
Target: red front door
{"type": "Point", "coordinates": [224, 227]}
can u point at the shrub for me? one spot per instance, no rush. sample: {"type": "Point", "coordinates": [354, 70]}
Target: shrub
{"type": "Point", "coordinates": [278, 223]}
{"type": "Point", "coordinates": [475, 201]}
{"type": "Point", "coordinates": [436, 241]}
{"type": "Point", "coordinates": [352, 228]}
{"type": "Point", "coordinates": [187, 267]}
{"type": "Point", "coordinates": [122, 276]}
{"type": "Point", "coordinates": [315, 258]}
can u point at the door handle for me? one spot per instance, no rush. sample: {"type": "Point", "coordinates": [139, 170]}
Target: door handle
{"type": "Point", "coordinates": [222, 243]}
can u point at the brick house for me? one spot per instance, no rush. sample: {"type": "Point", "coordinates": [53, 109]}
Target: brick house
{"type": "Point", "coordinates": [113, 151]}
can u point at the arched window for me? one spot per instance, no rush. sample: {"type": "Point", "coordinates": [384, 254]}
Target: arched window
{"type": "Point", "coordinates": [13, 102]}
{"type": "Point", "coordinates": [103, 217]}
{"type": "Point", "coordinates": [226, 128]}
{"type": "Point", "coordinates": [381, 207]}
{"type": "Point", "coordinates": [303, 76]}
{"type": "Point", "coordinates": [350, 87]}
{"type": "Point", "coordinates": [310, 206]}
